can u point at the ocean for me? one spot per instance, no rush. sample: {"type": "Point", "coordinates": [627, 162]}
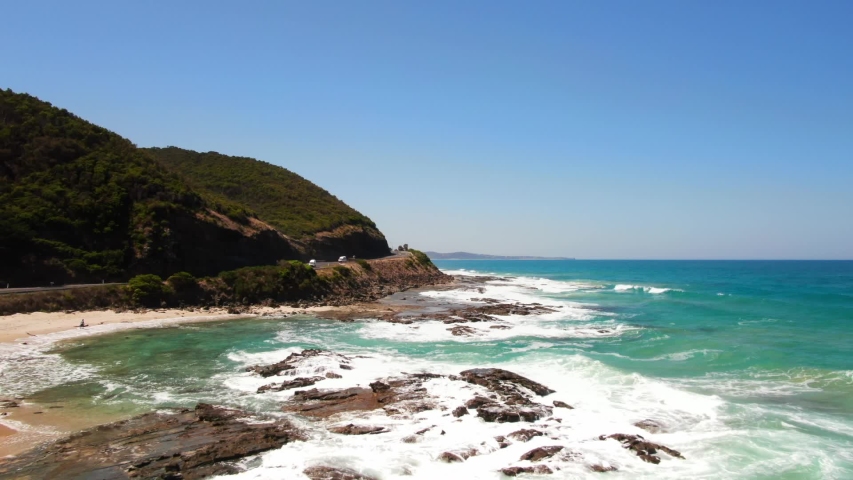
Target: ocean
{"type": "Point", "coordinates": [747, 366]}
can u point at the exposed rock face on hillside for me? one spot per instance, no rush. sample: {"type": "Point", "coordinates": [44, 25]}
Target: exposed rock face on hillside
{"type": "Point", "coordinates": [318, 224]}
{"type": "Point", "coordinates": [350, 240]}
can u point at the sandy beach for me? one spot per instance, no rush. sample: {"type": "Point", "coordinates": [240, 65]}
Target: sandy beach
{"type": "Point", "coordinates": [28, 424]}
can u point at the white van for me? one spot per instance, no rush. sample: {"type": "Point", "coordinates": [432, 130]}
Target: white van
{"type": "Point", "coordinates": [312, 263]}
{"type": "Point", "coordinates": [342, 259]}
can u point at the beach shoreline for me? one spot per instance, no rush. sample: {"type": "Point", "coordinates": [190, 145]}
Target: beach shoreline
{"type": "Point", "coordinates": [29, 424]}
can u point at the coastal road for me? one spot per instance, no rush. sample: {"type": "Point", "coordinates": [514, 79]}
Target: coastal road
{"type": "Point", "coordinates": [10, 291]}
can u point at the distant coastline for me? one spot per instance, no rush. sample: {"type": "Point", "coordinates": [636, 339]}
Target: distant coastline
{"type": "Point", "coordinates": [479, 256]}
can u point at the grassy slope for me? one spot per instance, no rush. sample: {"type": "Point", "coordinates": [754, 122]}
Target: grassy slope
{"type": "Point", "coordinates": [241, 185]}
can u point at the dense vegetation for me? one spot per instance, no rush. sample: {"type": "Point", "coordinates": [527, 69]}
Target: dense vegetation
{"type": "Point", "coordinates": [77, 200]}
{"type": "Point", "coordinates": [79, 204]}
{"type": "Point", "coordinates": [248, 187]}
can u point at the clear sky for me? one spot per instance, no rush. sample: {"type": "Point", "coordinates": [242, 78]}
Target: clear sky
{"type": "Point", "coordinates": [591, 129]}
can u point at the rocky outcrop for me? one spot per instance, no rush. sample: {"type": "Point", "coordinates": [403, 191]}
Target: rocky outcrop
{"type": "Point", "coordinates": [512, 402]}
{"type": "Point", "coordinates": [350, 240]}
{"type": "Point", "coordinates": [644, 449]}
{"type": "Point", "coordinates": [395, 395]}
{"type": "Point", "coordinates": [186, 444]}
{"type": "Point", "coordinates": [385, 276]}
{"type": "Point", "coordinates": [299, 362]}
{"type": "Point", "coordinates": [505, 383]}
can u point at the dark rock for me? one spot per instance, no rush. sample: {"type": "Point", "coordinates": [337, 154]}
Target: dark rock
{"type": "Point", "coordinates": [500, 327]}
{"type": "Point", "coordinates": [462, 331]}
{"type": "Point", "coordinates": [502, 441]}
{"type": "Point", "coordinates": [450, 457]}
{"type": "Point", "coordinates": [503, 413]}
{"type": "Point", "coordinates": [458, 456]}
{"type": "Point", "coordinates": [478, 401]}
{"type": "Point", "coordinates": [643, 448]}
{"type": "Point", "coordinates": [295, 383]}
{"type": "Point", "coordinates": [559, 404]}
{"type": "Point", "coordinates": [345, 367]}
{"type": "Point", "coordinates": [650, 426]}
{"type": "Point", "coordinates": [406, 394]}
{"type": "Point", "coordinates": [602, 468]}
{"type": "Point", "coordinates": [515, 471]}
{"type": "Point", "coordinates": [459, 411]}
{"type": "Point", "coordinates": [333, 375]}
{"type": "Point", "coordinates": [525, 434]}
{"type": "Point", "coordinates": [189, 444]}
{"type": "Point", "coordinates": [358, 430]}
{"type": "Point", "coordinates": [333, 473]}
{"type": "Point", "coordinates": [541, 452]}
{"type": "Point", "coordinates": [500, 381]}
{"type": "Point", "coordinates": [8, 403]}
{"type": "Point", "coordinates": [379, 387]}
{"type": "Point", "coordinates": [288, 363]}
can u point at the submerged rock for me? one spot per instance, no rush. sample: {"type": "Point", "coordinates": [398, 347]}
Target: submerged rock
{"type": "Point", "coordinates": [295, 383]}
{"type": "Point", "coordinates": [333, 473]}
{"type": "Point", "coordinates": [560, 404]}
{"type": "Point", "coordinates": [650, 426]}
{"type": "Point", "coordinates": [515, 471]}
{"type": "Point", "coordinates": [602, 468]}
{"type": "Point", "coordinates": [644, 449]}
{"type": "Point", "coordinates": [459, 411]}
{"type": "Point", "coordinates": [294, 360]}
{"type": "Point", "coordinates": [525, 434]}
{"type": "Point", "coordinates": [351, 429]}
{"type": "Point", "coordinates": [187, 444]}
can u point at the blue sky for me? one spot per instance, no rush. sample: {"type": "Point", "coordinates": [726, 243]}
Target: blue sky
{"type": "Point", "coordinates": [613, 129]}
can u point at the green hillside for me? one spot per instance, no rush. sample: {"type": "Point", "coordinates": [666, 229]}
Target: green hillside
{"type": "Point", "coordinates": [75, 198]}
{"type": "Point", "coordinates": [290, 203]}
{"type": "Point", "coordinates": [79, 203]}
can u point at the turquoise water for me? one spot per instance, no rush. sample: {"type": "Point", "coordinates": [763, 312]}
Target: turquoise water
{"type": "Point", "coordinates": [749, 366]}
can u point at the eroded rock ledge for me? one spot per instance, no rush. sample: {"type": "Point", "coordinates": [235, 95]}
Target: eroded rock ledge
{"type": "Point", "coordinates": [186, 444]}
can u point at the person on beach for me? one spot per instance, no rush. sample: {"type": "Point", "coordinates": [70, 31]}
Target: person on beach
{"type": "Point", "coordinates": [83, 323]}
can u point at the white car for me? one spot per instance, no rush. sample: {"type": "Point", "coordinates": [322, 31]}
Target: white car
{"type": "Point", "coordinates": [312, 263]}
{"type": "Point", "coordinates": [342, 259]}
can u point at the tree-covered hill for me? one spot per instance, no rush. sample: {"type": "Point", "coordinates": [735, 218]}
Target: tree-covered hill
{"type": "Point", "coordinates": [79, 203]}
{"type": "Point", "coordinates": [290, 203]}
{"type": "Point", "coordinates": [323, 226]}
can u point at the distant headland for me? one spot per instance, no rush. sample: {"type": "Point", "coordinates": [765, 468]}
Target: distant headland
{"type": "Point", "coordinates": [479, 256]}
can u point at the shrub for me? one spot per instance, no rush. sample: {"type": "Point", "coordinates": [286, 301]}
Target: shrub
{"type": "Point", "coordinates": [364, 264]}
{"type": "Point", "coordinates": [182, 282]}
{"type": "Point", "coordinates": [148, 290]}
{"type": "Point", "coordinates": [343, 271]}
{"type": "Point", "coordinates": [421, 258]}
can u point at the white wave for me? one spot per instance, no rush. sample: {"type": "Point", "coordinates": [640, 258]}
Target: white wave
{"type": "Point", "coordinates": [605, 402]}
{"type": "Point", "coordinates": [436, 331]}
{"type": "Point", "coordinates": [642, 288]}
